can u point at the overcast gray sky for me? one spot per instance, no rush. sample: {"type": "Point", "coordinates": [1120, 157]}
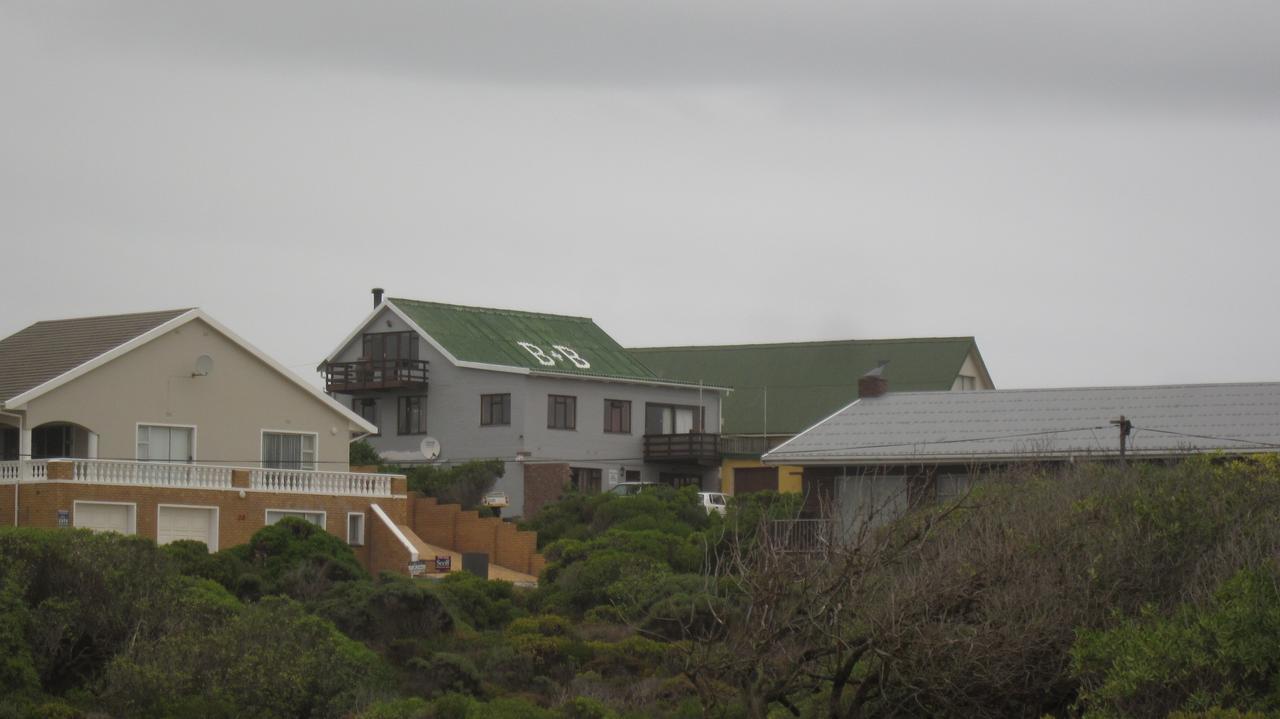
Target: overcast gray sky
{"type": "Point", "coordinates": [1090, 188]}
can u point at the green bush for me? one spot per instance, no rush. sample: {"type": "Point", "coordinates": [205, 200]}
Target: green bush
{"type": "Point", "coordinates": [464, 484]}
{"type": "Point", "coordinates": [394, 607]}
{"type": "Point", "coordinates": [443, 673]}
{"type": "Point", "coordinates": [1197, 659]}
{"type": "Point", "coordinates": [291, 557]}
{"type": "Point", "coordinates": [363, 454]}
{"type": "Point", "coordinates": [271, 659]}
{"type": "Point", "coordinates": [481, 603]}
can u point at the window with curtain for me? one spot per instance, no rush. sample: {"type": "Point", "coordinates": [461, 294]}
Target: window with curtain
{"type": "Point", "coordinates": [157, 443]}
{"type": "Point", "coordinates": [288, 450]}
{"type": "Point", "coordinates": [315, 517]}
{"type": "Point", "coordinates": [617, 416]}
{"type": "Point", "coordinates": [671, 419]}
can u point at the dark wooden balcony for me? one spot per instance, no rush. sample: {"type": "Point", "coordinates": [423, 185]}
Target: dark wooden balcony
{"type": "Point", "coordinates": [691, 448]}
{"type": "Point", "coordinates": [364, 375]}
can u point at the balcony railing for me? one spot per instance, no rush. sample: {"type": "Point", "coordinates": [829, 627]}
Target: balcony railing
{"type": "Point", "coordinates": [689, 448]}
{"type": "Point", "coordinates": [803, 536]}
{"type": "Point", "coordinates": [303, 481]}
{"type": "Point", "coordinates": [198, 476]}
{"type": "Point", "coordinates": [151, 474]}
{"type": "Point", "coordinates": [365, 375]}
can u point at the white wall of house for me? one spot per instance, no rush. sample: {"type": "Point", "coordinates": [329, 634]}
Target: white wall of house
{"type": "Point", "coordinates": [229, 408]}
{"type": "Point", "coordinates": [973, 370]}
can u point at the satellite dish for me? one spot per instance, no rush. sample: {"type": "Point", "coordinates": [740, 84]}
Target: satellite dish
{"type": "Point", "coordinates": [204, 365]}
{"type": "Point", "coordinates": [430, 448]}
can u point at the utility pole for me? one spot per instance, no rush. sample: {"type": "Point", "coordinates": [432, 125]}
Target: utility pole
{"type": "Point", "coordinates": [1125, 428]}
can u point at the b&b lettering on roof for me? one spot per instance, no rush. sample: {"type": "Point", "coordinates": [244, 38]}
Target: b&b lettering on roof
{"type": "Point", "coordinates": [559, 353]}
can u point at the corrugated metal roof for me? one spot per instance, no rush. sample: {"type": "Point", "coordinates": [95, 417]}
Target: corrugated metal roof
{"type": "Point", "coordinates": [1041, 423]}
{"type": "Point", "coordinates": [806, 380]}
{"type": "Point", "coordinates": [493, 336]}
{"type": "Point", "coordinates": [46, 350]}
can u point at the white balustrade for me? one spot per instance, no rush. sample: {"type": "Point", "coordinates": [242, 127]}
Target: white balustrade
{"type": "Point", "coordinates": [24, 470]}
{"type": "Point", "coordinates": [151, 474]}
{"type": "Point", "coordinates": [303, 481]}
{"type": "Point", "coordinates": [203, 476]}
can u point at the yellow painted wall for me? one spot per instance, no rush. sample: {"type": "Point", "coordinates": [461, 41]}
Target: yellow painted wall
{"type": "Point", "coordinates": [788, 476]}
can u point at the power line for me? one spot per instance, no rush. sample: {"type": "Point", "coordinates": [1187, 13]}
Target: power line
{"type": "Point", "coordinates": [946, 441]}
{"type": "Point", "coordinates": [1212, 437]}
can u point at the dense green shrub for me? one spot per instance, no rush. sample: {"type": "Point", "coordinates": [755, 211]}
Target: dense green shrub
{"type": "Point", "coordinates": [391, 608]}
{"type": "Point", "coordinates": [1198, 658]}
{"type": "Point", "coordinates": [464, 484]}
{"type": "Point", "coordinates": [363, 454]}
{"type": "Point", "coordinates": [481, 603]}
{"type": "Point", "coordinates": [270, 659]}
{"type": "Point", "coordinates": [295, 558]}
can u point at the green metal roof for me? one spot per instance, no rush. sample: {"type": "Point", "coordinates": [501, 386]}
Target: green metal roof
{"type": "Point", "coordinates": [493, 336]}
{"type": "Point", "coordinates": [807, 381]}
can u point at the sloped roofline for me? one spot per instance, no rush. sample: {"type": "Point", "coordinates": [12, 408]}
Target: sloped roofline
{"type": "Point", "coordinates": [21, 400]}
{"type": "Point", "coordinates": [389, 304]}
{"type": "Point", "coordinates": [771, 458]}
{"type": "Point", "coordinates": [804, 343]}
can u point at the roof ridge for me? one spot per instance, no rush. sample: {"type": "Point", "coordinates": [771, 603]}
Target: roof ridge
{"type": "Point", "coordinates": [804, 343]}
{"type": "Point", "coordinates": [478, 308]}
{"type": "Point", "coordinates": [175, 312]}
{"type": "Point", "coordinates": [1009, 390]}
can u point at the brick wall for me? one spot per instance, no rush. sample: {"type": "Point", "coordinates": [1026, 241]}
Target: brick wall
{"type": "Point", "coordinates": [543, 484]}
{"type": "Point", "coordinates": [386, 552]}
{"type": "Point", "coordinates": [433, 522]}
{"type": "Point", "coordinates": [238, 517]}
{"type": "Point", "coordinates": [449, 527]}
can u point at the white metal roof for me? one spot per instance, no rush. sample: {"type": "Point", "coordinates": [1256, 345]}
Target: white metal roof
{"type": "Point", "coordinates": [938, 427]}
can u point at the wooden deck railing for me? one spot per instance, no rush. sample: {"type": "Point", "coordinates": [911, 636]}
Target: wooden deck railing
{"type": "Point", "coordinates": [375, 374]}
{"type": "Point", "coordinates": [692, 447]}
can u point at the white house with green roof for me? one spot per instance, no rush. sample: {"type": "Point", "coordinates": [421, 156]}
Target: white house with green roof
{"type": "Point", "coordinates": [558, 400]}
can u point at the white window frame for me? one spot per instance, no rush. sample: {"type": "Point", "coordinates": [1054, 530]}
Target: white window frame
{"type": "Point", "coordinates": [133, 513]}
{"type": "Point", "coordinates": [359, 543]}
{"type": "Point", "coordinates": [315, 450]}
{"type": "Point", "coordinates": [217, 520]}
{"type": "Point", "coordinates": [324, 516]}
{"type": "Point", "coordinates": [137, 428]}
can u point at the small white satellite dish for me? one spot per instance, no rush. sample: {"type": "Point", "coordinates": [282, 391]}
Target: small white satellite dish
{"type": "Point", "coordinates": [430, 448]}
{"type": "Point", "coordinates": [204, 365]}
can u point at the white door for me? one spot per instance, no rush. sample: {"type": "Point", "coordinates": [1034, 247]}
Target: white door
{"type": "Point", "coordinates": [104, 517]}
{"type": "Point", "coordinates": [196, 523]}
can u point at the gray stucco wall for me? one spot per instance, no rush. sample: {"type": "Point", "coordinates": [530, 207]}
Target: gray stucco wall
{"type": "Point", "coordinates": [453, 418]}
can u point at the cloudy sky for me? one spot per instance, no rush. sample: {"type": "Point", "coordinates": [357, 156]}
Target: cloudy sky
{"type": "Point", "coordinates": [1091, 188]}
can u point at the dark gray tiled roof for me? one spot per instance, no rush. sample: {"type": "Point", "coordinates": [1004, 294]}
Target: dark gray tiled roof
{"type": "Point", "coordinates": [46, 350]}
{"type": "Point", "coordinates": [932, 427]}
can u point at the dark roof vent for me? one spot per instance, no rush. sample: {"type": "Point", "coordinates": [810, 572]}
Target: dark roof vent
{"type": "Point", "coordinates": [377, 296]}
{"type": "Point", "coordinates": [873, 383]}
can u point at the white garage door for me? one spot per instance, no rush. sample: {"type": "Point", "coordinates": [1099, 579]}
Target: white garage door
{"type": "Point", "coordinates": [104, 517]}
{"type": "Point", "coordinates": [197, 523]}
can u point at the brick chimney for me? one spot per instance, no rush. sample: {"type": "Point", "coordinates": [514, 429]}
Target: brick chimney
{"type": "Point", "coordinates": [377, 296]}
{"type": "Point", "coordinates": [873, 383]}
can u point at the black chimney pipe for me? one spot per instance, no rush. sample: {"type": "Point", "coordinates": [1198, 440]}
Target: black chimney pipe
{"type": "Point", "coordinates": [377, 296]}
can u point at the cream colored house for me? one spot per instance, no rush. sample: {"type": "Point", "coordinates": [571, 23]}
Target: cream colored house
{"type": "Point", "coordinates": [169, 426]}
{"type": "Point", "coordinates": [172, 386]}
